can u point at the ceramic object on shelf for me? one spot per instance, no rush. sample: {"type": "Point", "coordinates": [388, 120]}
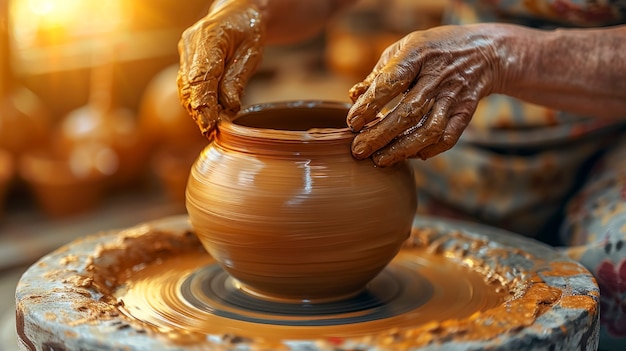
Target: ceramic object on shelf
{"type": "Point", "coordinates": [171, 165]}
{"type": "Point", "coordinates": [102, 120]}
{"type": "Point", "coordinates": [7, 174]}
{"type": "Point", "coordinates": [354, 43]}
{"type": "Point", "coordinates": [279, 201]}
{"type": "Point", "coordinates": [68, 184]}
{"type": "Point", "coordinates": [162, 119]}
{"type": "Point", "coordinates": [24, 120]}
{"type": "Point", "coordinates": [172, 138]}
{"type": "Point", "coordinates": [115, 128]}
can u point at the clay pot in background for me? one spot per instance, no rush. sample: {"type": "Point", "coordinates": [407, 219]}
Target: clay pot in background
{"type": "Point", "coordinates": [24, 125]}
{"type": "Point", "coordinates": [7, 174]}
{"type": "Point", "coordinates": [117, 129]}
{"type": "Point", "coordinates": [169, 132]}
{"type": "Point", "coordinates": [71, 183]}
{"type": "Point", "coordinates": [24, 121]}
{"type": "Point", "coordinates": [103, 121]}
{"type": "Point", "coordinates": [356, 39]}
{"type": "Point", "coordinates": [355, 42]}
{"type": "Point", "coordinates": [162, 119]}
{"type": "Point", "coordinates": [171, 165]}
{"type": "Point", "coordinates": [279, 201]}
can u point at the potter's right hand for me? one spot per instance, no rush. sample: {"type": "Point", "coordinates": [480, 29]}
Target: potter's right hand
{"type": "Point", "coordinates": [438, 75]}
{"type": "Point", "coordinates": [218, 55]}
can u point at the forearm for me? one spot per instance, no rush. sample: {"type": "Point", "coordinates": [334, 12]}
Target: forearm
{"type": "Point", "coordinates": [577, 70]}
{"type": "Point", "coordinates": [292, 21]}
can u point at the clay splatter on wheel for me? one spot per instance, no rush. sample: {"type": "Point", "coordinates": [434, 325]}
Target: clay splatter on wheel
{"type": "Point", "coordinates": [453, 284]}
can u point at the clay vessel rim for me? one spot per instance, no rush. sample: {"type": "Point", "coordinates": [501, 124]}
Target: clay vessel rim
{"type": "Point", "coordinates": [230, 126]}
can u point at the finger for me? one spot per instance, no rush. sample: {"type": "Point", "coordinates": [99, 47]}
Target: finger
{"type": "Point", "coordinates": [359, 88]}
{"type": "Point", "coordinates": [386, 85]}
{"type": "Point", "coordinates": [451, 135]}
{"type": "Point", "coordinates": [203, 77]}
{"type": "Point", "coordinates": [406, 115]}
{"type": "Point", "coordinates": [203, 116]}
{"type": "Point", "coordinates": [196, 77]}
{"type": "Point", "coordinates": [419, 136]}
{"type": "Point", "coordinates": [238, 73]}
{"type": "Point", "coordinates": [182, 77]}
{"type": "Point", "coordinates": [203, 82]}
{"type": "Point", "coordinates": [392, 80]}
{"type": "Point", "coordinates": [413, 140]}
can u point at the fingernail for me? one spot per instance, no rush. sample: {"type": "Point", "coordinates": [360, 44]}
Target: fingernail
{"type": "Point", "coordinates": [230, 101]}
{"type": "Point", "coordinates": [356, 122]}
{"type": "Point", "coordinates": [381, 160]}
{"type": "Point", "coordinates": [360, 149]}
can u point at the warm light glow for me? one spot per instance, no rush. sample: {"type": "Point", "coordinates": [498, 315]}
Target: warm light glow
{"type": "Point", "coordinates": [41, 7]}
{"type": "Point", "coordinates": [45, 22]}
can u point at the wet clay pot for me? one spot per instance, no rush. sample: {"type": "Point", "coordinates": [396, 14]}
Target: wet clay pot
{"type": "Point", "coordinates": [278, 200]}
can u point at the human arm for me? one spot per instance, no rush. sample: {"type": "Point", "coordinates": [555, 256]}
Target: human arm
{"type": "Point", "coordinates": [441, 74]}
{"type": "Point", "coordinates": [220, 52]}
{"type": "Point", "coordinates": [576, 70]}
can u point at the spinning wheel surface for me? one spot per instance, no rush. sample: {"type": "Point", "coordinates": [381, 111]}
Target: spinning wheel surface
{"type": "Point", "coordinates": [415, 289]}
{"type": "Point", "coordinates": [453, 284]}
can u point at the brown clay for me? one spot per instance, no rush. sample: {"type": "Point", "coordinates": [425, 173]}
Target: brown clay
{"type": "Point", "coordinates": [279, 202]}
{"type": "Point", "coordinates": [141, 273]}
{"type": "Point", "coordinates": [155, 284]}
{"type": "Point", "coordinates": [461, 295]}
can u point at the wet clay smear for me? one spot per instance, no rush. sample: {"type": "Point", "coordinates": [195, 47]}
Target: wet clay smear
{"type": "Point", "coordinates": [442, 287]}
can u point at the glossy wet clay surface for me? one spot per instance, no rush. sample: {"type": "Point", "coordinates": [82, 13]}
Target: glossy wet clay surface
{"type": "Point", "coordinates": [280, 203]}
{"type": "Point", "coordinates": [153, 287]}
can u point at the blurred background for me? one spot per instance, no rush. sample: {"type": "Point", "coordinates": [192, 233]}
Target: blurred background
{"type": "Point", "coordinates": [92, 135]}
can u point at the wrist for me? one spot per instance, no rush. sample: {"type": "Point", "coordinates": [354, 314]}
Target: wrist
{"type": "Point", "coordinates": [516, 49]}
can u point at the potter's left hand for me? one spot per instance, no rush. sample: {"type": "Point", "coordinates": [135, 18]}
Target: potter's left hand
{"type": "Point", "coordinates": [218, 55]}
{"type": "Point", "coordinates": [439, 76]}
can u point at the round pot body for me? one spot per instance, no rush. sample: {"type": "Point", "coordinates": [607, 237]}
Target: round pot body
{"type": "Point", "coordinates": [278, 200]}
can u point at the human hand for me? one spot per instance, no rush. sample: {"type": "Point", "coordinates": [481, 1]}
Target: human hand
{"type": "Point", "coordinates": [439, 75]}
{"type": "Point", "coordinates": [218, 55]}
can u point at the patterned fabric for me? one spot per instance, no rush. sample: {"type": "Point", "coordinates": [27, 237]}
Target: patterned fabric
{"type": "Point", "coordinates": [518, 192]}
{"type": "Point", "coordinates": [539, 13]}
{"type": "Point", "coordinates": [524, 167]}
{"type": "Point", "coordinates": [595, 229]}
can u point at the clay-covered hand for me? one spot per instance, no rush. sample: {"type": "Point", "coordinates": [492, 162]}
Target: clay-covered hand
{"type": "Point", "coordinates": [434, 79]}
{"type": "Point", "coordinates": [218, 55]}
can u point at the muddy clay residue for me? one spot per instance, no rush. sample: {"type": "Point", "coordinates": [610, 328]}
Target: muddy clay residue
{"type": "Point", "coordinates": [149, 285]}
{"type": "Point", "coordinates": [514, 301]}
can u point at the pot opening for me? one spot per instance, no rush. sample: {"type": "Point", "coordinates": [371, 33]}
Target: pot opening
{"type": "Point", "coordinates": [294, 117]}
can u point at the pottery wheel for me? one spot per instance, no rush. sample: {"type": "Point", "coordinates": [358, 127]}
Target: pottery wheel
{"type": "Point", "coordinates": [411, 291]}
{"type": "Point", "coordinates": [454, 284]}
